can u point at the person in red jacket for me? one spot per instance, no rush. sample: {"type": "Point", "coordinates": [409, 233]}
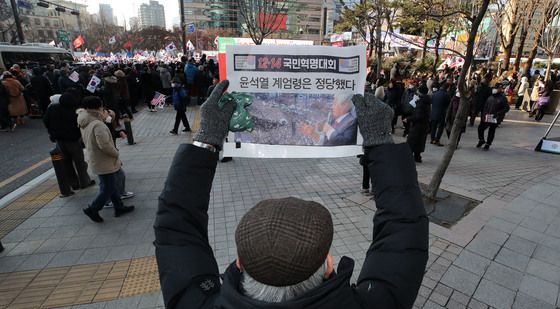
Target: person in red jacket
{"type": "Point", "coordinates": [283, 244]}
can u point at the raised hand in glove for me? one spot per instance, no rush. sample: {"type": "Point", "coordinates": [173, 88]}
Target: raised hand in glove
{"type": "Point", "coordinates": [214, 120]}
{"type": "Point", "coordinates": [374, 119]}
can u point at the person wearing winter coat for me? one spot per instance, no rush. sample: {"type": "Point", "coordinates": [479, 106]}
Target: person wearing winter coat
{"type": "Point", "coordinates": [419, 122]}
{"type": "Point", "coordinates": [123, 94]}
{"type": "Point", "coordinates": [287, 265]}
{"type": "Point", "coordinates": [190, 72]}
{"type": "Point", "coordinates": [405, 108]}
{"type": "Point", "coordinates": [64, 82]}
{"type": "Point", "coordinates": [165, 77]}
{"type": "Point", "coordinates": [493, 113]}
{"type": "Point", "coordinates": [482, 94]}
{"type": "Point", "coordinates": [523, 87]}
{"type": "Point", "coordinates": [110, 93]}
{"type": "Point", "coordinates": [61, 122]}
{"type": "Point", "coordinates": [201, 81]}
{"type": "Point", "coordinates": [180, 99]}
{"type": "Point", "coordinates": [17, 108]}
{"type": "Point", "coordinates": [103, 158]}
{"type": "Point", "coordinates": [42, 89]}
{"type": "Point", "coordinates": [148, 88]}
{"type": "Point", "coordinates": [537, 89]}
{"type": "Point", "coordinates": [5, 120]}
{"type": "Point", "coordinates": [544, 100]}
{"type": "Point", "coordinates": [440, 103]}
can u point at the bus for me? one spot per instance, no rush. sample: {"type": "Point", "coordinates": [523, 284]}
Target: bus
{"type": "Point", "coordinates": [32, 54]}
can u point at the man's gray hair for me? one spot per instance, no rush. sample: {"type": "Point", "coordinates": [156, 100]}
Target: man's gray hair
{"type": "Point", "coordinates": [276, 294]}
{"type": "Point", "coordinates": [343, 99]}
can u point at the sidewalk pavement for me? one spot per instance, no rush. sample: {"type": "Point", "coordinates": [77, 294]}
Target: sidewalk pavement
{"type": "Point", "coordinates": [504, 254]}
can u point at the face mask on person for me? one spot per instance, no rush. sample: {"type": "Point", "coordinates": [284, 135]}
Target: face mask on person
{"type": "Point", "coordinates": [108, 119]}
{"type": "Point", "coordinates": [495, 91]}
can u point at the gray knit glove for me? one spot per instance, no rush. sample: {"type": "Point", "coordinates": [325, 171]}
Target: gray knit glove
{"type": "Point", "coordinates": [374, 119]}
{"type": "Point", "coordinates": [214, 121]}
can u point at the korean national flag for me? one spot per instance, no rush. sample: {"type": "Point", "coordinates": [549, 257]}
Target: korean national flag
{"type": "Point", "coordinates": [112, 40]}
{"type": "Point", "coordinates": [170, 48]}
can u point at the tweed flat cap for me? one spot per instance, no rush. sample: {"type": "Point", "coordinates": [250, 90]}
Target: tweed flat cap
{"type": "Point", "coordinates": [282, 242]}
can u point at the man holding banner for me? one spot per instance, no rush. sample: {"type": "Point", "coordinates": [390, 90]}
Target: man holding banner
{"type": "Point", "coordinates": [283, 244]}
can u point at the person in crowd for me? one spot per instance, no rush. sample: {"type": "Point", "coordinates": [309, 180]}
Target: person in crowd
{"type": "Point", "coordinates": [440, 104]}
{"type": "Point", "coordinates": [123, 94]}
{"type": "Point", "coordinates": [393, 98]}
{"type": "Point", "coordinates": [64, 82]}
{"type": "Point", "coordinates": [41, 88]}
{"type": "Point", "coordinates": [19, 75]}
{"type": "Point", "coordinates": [451, 115]}
{"type": "Point", "coordinates": [110, 93]}
{"type": "Point", "coordinates": [103, 158]}
{"type": "Point", "coordinates": [380, 93]}
{"type": "Point", "coordinates": [395, 73]}
{"type": "Point", "coordinates": [215, 81]}
{"type": "Point", "coordinates": [6, 124]}
{"type": "Point", "coordinates": [493, 113]}
{"type": "Point", "coordinates": [190, 72]}
{"type": "Point", "coordinates": [340, 128]}
{"type": "Point", "coordinates": [201, 81]}
{"type": "Point", "coordinates": [61, 122]}
{"type": "Point", "coordinates": [366, 177]}
{"type": "Point", "coordinates": [148, 88]}
{"type": "Point", "coordinates": [17, 108]}
{"type": "Point", "coordinates": [536, 95]}
{"type": "Point", "coordinates": [134, 90]}
{"type": "Point", "coordinates": [523, 87]}
{"type": "Point", "coordinates": [419, 122]}
{"type": "Point", "coordinates": [287, 264]}
{"type": "Point", "coordinates": [406, 109]}
{"type": "Point", "coordinates": [165, 77]}
{"type": "Point", "coordinates": [544, 100]}
{"type": "Point", "coordinates": [481, 96]}
{"type": "Point", "coordinates": [52, 77]}
{"type": "Point", "coordinates": [180, 97]}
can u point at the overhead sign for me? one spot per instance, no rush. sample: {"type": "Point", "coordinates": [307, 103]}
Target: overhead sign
{"type": "Point", "coordinates": [62, 35]}
{"type": "Point", "coordinates": [191, 28]}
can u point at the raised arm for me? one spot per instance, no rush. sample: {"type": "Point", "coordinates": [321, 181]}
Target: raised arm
{"type": "Point", "coordinates": [187, 267]}
{"type": "Point", "coordinates": [396, 260]}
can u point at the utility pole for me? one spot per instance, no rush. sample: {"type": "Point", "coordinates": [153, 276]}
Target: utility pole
{"type": "Point", "coordinates": [17, 21]}
{"type": "Point", "coordinates": [183, 32]}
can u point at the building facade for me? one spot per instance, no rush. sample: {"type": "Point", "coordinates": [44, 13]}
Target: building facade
{"type": "Point", "coordinates": [305, 19]}
{"type": "Point", "coordinates": [106, 14]}
{"type": "Point", "coordinates": [151, 15]}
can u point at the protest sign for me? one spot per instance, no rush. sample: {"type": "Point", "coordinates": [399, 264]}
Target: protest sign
{"type": "Point", "coordinates": [302, 100]}
{"type": "Point", "coordinates": [75, 77]}
{"type": "Point", "coordinates": [93, 83]}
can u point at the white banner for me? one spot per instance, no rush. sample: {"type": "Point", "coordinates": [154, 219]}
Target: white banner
{"type": "Point", "coordinates": [75, 77]}
{"type": "Point", "coordinates": [302, 105]}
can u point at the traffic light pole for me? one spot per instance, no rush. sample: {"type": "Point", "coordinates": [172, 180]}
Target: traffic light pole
{"type": "Point", "coordinates": [17, 21]}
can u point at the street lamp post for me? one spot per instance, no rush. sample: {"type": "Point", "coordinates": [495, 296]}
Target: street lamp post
{"type": "Point", "coordinates": [17, 22]}
{"type": "Point", "coordinates": [183, 33]}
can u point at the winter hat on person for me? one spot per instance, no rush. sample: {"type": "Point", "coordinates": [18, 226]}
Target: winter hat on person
{"type": "Point", "coordinates": [55, 99]}
{"type": "Point", "coordinates": [91, 102]}
{"type": "Point", "coordinates": [423, 89]}
{"type": "Point", "coordinates": [119, 73]}
{"type": "Point", "coordinates": [283, 242]}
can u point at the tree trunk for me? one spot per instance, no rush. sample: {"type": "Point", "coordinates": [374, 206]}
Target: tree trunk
{"type": "Point", "coordinates": [436, 59]}
{"type": "Point", "coordinates": [507, 54]}
{"type": "Point", "coordinates": [549, 66]}
{"type": "Point", "coordinates": [425, 47]}
{"type": "Point", "coordinates": [532, 56]}
{"type": "Point", "coordinates": [520, 47]}
{"type": "Point", "coordinates": [378, 47]}
{"type": "Point", "coordinates": [464, 108]}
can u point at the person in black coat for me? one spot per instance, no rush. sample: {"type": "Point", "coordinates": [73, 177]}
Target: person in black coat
{"type": "Point", "coordinates": [440, 103]}
{"type": "Point", "coordinates": [419, 122]}
{"type": "Point", "coordinates": [42, 89]}
{"type": "Point", "coordinates": [393, 98]}
{"type": "Point", "coordinates": [5, 119]}
{"type": "Point", "coordinates": [482, 94]}
{"type": "Point", "coordinates": [492, 114]}
{"type": "Point", "coordinates": [148, 88]}
{"type": "Point", "coordinates": [405, 108]}
{"type": "Point", "coordinates": [394, 265]}
{"type": "Point", "coordinates": [61, 122]}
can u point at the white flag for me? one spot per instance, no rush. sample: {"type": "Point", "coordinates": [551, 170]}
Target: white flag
{"type": "Point", "coordinates": [93, 83]}
{"type": "Point", "coordinates": [190, 45]}
{"type": "Point", "coordinates": [112, 40]}
{"type": "Point", "coordinates": [170, 48]}
{"type": "Point", "coordinates": [52, 43]}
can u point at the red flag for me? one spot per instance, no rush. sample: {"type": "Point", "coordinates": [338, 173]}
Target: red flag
{"type": "Point", "coordinates": [98, 49]}
{"type": "Point", "coordinates": [79, 41]}
{"type": "Point", "coordinates": [127, 45]}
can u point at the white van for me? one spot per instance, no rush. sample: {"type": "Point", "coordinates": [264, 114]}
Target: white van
{"type": "Point", "coordinates": [32, 54]}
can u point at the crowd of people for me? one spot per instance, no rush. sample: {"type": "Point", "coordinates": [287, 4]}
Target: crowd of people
{"type": "Point", "coordinates": [78, 116]}
{"type": "Point", "coordinates": [428, 104]}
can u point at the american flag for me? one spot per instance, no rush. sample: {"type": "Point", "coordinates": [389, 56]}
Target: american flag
{"type": "Point", "coordinates": [158, 100]}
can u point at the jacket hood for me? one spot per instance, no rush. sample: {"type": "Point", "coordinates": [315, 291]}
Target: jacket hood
{"type": "Point", "coordinates": [110, 79]}
{"type": "Point", "coordinates": [335, 292]}
{"type": "Point", "coordinates": [85, 117]}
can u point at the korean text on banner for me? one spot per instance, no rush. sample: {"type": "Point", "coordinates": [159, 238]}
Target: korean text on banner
{"type": "Point", "coordinates": [302, 100]}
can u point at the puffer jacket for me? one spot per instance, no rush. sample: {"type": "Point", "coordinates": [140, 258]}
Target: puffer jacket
{"type": "Point", "coordinates": [103, 156]}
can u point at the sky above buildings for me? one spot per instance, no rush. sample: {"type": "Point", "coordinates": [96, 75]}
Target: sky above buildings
{"type": "Point", "coordinates": [125, 9]}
